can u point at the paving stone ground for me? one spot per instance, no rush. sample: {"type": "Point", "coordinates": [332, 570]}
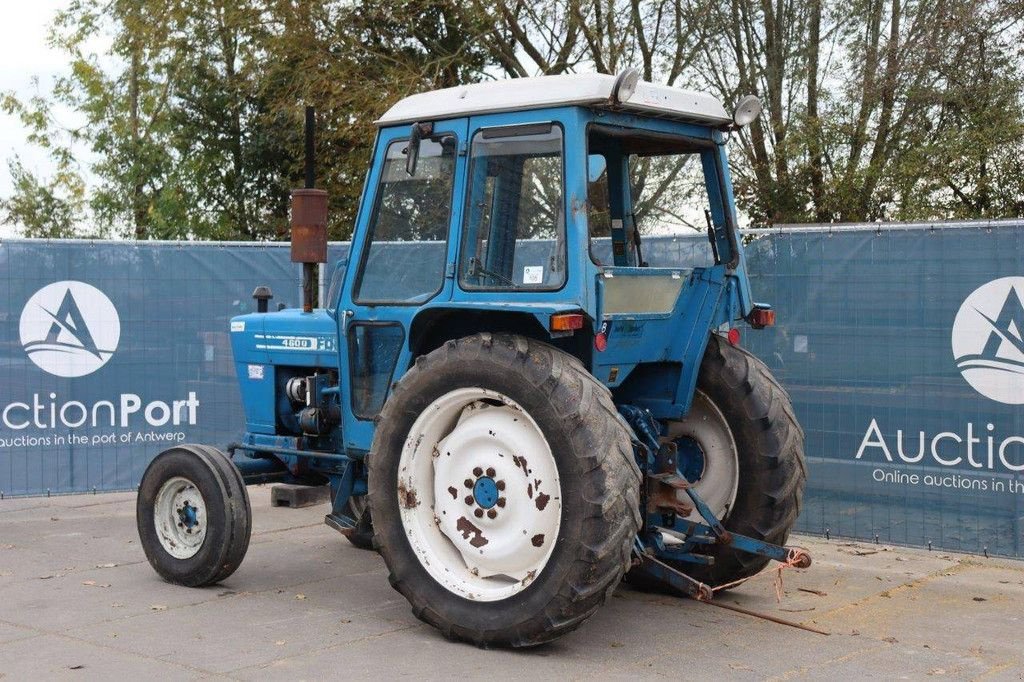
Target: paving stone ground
{"type": "Point", "coordinates": [79, 601]}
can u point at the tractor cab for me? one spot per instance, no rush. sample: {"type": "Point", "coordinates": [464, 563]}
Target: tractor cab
{"type": "Point", "coordinates": [523, 206]}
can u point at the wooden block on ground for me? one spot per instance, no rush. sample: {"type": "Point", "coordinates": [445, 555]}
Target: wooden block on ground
{"type": "Point", "coordinates": [292, 495]}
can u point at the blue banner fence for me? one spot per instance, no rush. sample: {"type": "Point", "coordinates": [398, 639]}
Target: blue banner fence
{"type": "Point", "coordinates": [901, 347]}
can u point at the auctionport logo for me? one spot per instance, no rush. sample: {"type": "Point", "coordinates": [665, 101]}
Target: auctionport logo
{"type": "Point", "coordinates": [988, 340]}
{"type": "Point", "coordinates": [69, 329]}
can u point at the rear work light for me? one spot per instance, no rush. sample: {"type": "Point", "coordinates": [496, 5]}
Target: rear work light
{"type": "Point", "coordinates": [760, 318]}
{"type": "Point", "coordinates": [566, 322]}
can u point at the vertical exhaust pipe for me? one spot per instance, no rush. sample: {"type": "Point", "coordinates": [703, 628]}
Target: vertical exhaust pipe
{"type": "Point", "coordinates": [309, 220]}
{"type": "Point", "coordinates": [310, 147]}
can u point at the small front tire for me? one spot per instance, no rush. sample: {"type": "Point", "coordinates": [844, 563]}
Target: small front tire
{"type": "Point", "coordinates": [193, 515]}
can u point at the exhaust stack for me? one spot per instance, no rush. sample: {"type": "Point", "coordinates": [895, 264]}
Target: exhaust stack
{"type": "Point", "coordinates": [309, 221]}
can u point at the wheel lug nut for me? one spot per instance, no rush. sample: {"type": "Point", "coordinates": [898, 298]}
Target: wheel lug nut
{"type": "Point", "coordinates": [501, 502]}
{"type": "Point", "coordinates": [478, 512]}
{"type": "Point", "coordinates": [491, 513]}
{"type": "Point", "coordinates": [500, 485]}
{"type": "Point", "coordinates": [468, 483]}
{"type": "Point", "coordinates": [469, 499]}
{"type": "Point", "coordinates": [478, 472]}
{"type": "Point", "coordinates": [490, 471]}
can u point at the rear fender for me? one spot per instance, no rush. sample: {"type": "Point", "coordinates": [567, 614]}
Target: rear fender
{"type": "Point", "coordinates": [435, 325]}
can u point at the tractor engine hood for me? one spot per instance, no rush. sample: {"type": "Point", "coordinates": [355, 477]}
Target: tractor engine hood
{"type": "Point", "coordinates": [287, 337]}
{"type": "Point", "coordinates": [271, 347]}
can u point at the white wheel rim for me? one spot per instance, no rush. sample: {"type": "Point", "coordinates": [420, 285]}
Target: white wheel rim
{"type": "Point", "coordinates": [479, 494]}
{"type": "Point", "coordinates": [179, 514]}
{"type": "Point", "coordinates": [706, 425]}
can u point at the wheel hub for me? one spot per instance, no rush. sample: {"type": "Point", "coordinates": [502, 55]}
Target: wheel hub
{"type": "Point", "coordinates": [493, 510]}
{"type": "Point", "coordinates": [485, 491]}
{"type": "Point", "coordinates": [187, 515]}
{"type": "Point", "coordinates": [707, 456]}
{"type": "Point", "coordinates": [179, 514]}
{"type": "Point", "coordinates": [690, 460]}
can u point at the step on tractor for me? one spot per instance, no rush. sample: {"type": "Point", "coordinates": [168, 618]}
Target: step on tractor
{"type": "Point", "coordinates": [516, 388]}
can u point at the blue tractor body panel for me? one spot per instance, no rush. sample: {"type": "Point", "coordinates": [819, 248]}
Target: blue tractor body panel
{"type": "Point", "coordinates": [670, 341]}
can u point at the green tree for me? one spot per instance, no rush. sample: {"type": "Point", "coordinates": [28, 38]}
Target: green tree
{"type": "Point", "coordinates": [352, 61]}
{"type": "Point", "coordinates": [870, 105]}
{"type": "Point", "coordinates": [46, 207]}
{"type": "Point", "coordinates": [192, 111]}
{"type": "Point", "coordinates": [232, 157]}
{"type": "Point", "coordinates": [126, 97]}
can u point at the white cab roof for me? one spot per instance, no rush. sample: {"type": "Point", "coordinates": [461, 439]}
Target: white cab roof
{"type": "Point", "coordinates": [591, 89]}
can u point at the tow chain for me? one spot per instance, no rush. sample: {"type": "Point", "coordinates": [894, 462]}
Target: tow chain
{"type": "Point", "coordinates": [791, 562]}
{"type": "Point", "coordinates": [776, 573]}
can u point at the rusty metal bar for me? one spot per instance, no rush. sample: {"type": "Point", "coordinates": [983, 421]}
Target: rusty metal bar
{"type": "Point", "coordinates": [765, 616]}
{"type": "Point", "coordinates": [670, 575]}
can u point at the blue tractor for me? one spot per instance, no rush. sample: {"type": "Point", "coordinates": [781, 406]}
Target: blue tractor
{"type": "Point", "coordinates": [513, 400]}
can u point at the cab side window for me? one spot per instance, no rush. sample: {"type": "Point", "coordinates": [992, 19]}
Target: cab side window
{"type": "Point", "coordinates": [514, 231]}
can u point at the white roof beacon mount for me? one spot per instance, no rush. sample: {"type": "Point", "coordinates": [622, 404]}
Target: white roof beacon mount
{"type": "Point", "coordinates": [602, 91]}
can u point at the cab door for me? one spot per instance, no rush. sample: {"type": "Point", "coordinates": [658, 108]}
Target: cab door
{"type": "Point", "coordinates": [402, 256]}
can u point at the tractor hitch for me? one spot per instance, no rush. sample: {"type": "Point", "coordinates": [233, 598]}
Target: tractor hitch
{"type": "Point", "coordinates": [667, 575]}
{"type": "Point", "coordinates": [667, 516]}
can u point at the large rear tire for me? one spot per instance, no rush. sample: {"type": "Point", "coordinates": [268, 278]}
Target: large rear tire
{"type": "Point", "coordinates": [503, 491]}
{"type": "Point", "coordinates": [768, 449]}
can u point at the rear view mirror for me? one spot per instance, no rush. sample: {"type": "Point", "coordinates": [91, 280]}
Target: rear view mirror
{"type": "Point", "coordinates": [747, 111]}
{"type": "Point", "coordinates": [413, 150]}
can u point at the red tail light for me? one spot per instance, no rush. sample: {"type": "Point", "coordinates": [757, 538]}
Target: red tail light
{"type": "Point", "coordinates": [734, 336]}
{"type": "Point", "coordinates": [760, 318]}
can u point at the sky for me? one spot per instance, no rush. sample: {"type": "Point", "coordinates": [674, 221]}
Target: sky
{"type": "Point", "coordinates": [24, 54]}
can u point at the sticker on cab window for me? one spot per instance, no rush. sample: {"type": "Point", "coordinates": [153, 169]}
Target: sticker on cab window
{"type": "Point", "coordinates": [533, 274]}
